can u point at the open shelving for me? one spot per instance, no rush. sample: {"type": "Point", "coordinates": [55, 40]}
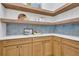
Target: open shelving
{"type": "Point", "coordinates": [68, 21]}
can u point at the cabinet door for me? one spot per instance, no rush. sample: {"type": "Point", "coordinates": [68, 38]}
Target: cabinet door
{"type": "Point", "coordinates": [69, 51]}
{"type": "Point", "coordinates": [37, 49]}
{"type": "Point", "coordinates": [0, 52]}
{"type": "Point", "coordinates": [0, 48]}
{"type": "Point", "coordinates": [10, 51]}
{"type": "Point", "coordinates": [57, 48]}
{"type": "Point", "coordinates": [26, 49]}
{"type": "Point", "coordinates": [47, 48]}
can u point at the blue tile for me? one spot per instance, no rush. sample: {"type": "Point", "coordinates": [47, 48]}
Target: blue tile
{"type": "Point", "coordinates": [67, 29]}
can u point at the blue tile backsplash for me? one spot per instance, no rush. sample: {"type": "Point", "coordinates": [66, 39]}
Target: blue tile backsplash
{"type": "Point", "coordinates": [17, 29]}
{"type": "Point", "coordinates": [67, 29]}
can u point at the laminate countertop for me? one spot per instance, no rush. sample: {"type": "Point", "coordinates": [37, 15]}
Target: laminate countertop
{"type": "Point", "coordinates": [39, 35]}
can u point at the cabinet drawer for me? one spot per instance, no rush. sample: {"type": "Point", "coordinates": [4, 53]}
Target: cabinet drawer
{"type": "Point", "coordinates": [10, 42]}
{"type": "Point", "coordinates": [55, 38]}
{"type": "Point", "coordinates": [71, 42]}
{"type": "Point", "coordinates": [35, 39]}
{"type": "Point", "coordinates": [25, 40]}
{"type": "Point", "coordinates": [16, 41]}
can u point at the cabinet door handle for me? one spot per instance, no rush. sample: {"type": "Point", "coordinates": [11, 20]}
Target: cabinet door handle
{"type": "Point", "coordinates": [20, 46]}
{"type": "Point", "coordinates": [17, 46]}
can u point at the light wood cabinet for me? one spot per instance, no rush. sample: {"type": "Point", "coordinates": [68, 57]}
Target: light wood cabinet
{"type": "Point", "coordinates": [40, 46]}
{"type": "Point", "coordinates": [0, 52]}
{"type": "Point", "coordinates": [17, 47]}
{"type": "Point", "coordinates": [70, 47]}
{"type": "Point", "coordinates": [48, 49]}
{"type": "Point", "coordinates": [37, 49]}
{"type": "Point", "coordinates": [57, 48]}
{"type": "Point", "coordinates": [37, 46]}
{"type": "Point", "coordinates": [26, 49]}
{"type": "Point", "coordinates": [0, 48]}
{"type": "Point", "coordinates": [11, 51]}
{"type": "Point", "coordinates": [20, 50]}
{"type": "Point", "coordinates": [69, 50]}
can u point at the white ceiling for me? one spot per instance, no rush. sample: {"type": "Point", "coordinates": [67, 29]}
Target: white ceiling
{"type": "Point", "coordinates": [47, 6]}
{"type": "Point", "coordinates": [51, 6]}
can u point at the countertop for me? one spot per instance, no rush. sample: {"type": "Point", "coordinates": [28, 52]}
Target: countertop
{"type": "Point", "coordinates": [39, 35]}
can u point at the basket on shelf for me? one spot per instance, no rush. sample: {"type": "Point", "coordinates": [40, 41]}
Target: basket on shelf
{"type": "Point", "coordinates": [22, 17]}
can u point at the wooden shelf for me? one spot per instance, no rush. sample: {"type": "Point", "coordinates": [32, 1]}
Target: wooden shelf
{"type": "Point", "coordinates": [24, 22]}
{"type": "Point", "coordinates": [65, 7]}
{"type": "Point", "coordinates": [68, 21]}
{"type": "Point", "coordinates": [21, 7]}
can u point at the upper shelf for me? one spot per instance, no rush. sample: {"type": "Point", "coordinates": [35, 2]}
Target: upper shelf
{"type": "Point", "coordinates": [68, 21]}
{"type": "Point", "coordinates": [21, 7]}
{"type": "Point", "coordinates": [3, 20]}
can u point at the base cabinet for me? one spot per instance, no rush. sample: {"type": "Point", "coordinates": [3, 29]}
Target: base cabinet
{"type": "Point", "coordinates": [37, 49]}
{"type": "Point", "coordinates": [0, 48]}
{"type": "Point", "coordinates": [40, 46]}
{"type": "Point", "coordinates": [48, 48]}
{"type": "Point", "coordinates": [11, 51]}
{"type": "Point", "coordinates": [26, 49]}
{"type": "Point", "coordinates": [0, 52]}
{"type": "Point", "coordinates": [20, 50]}
{"type": "Point", "coordinates": [57, 48]}
{"type": "Point", "coordinates": [69, 50]}
{"type": "Point", "coordinates": [17, 47]}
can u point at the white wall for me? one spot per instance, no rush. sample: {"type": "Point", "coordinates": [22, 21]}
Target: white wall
{"type": "Point", "coordinates": [13, 14]}
{"type": "Point", "coordinates": [2, 25]}
{"type": "Point", "coordinates": [2, 11]}
{"type": "Point", "coordinates": [2, 29]}
{"type": "Point", "coordinates": [73, 13]}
